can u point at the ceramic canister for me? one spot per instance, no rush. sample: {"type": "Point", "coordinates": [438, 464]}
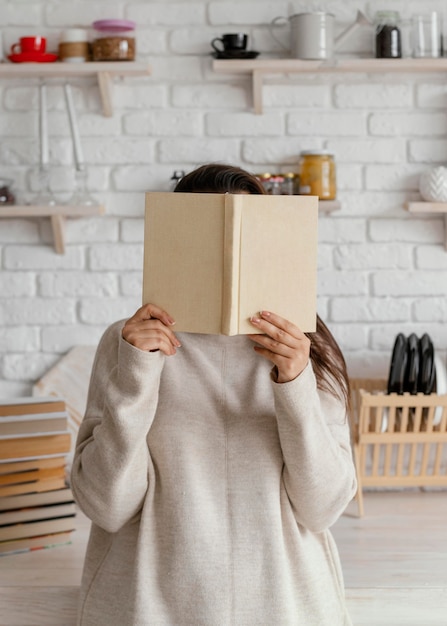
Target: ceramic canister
{"type": "Point", "coordinates": [312, 35]}
{"type": "Point", "coordinates": [73, 47]}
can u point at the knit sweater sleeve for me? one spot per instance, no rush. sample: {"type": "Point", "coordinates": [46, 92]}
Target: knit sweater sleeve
{"type": "Point", "coordinates": [318, 473]}
{"type": "Point", "coordinates": [111, 465]}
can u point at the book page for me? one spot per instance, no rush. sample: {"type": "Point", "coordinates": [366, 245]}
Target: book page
{"type": "Point", "coordinates": [278, 265]}
{"type": "Point", "coordinates": [183, 258]}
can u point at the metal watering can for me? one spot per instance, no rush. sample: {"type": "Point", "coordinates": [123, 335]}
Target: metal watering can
{"type": "Point", "coordinates": [312, 34]}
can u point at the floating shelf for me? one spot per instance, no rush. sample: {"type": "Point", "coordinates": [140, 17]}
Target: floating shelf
{"type": "Point", "coordinates": [260, 68]}
{"type": "Point", "coordinates": [328, 206]}
{"type": "Point", "coordinates": [57, 214]}
{"type": "Point", "coordinates": [104, 72]}
{"type": "Point", "coordinates": [430, 207]}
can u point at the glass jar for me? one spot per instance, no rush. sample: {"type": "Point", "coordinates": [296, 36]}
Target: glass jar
{"type": "Point", "coordinates": [6, 195]}
{"type": "Point", "coordinates": [114, 40]}
{"type": "Point", "coordinates": [317, 174]}
{"type": "Point", "coordinates": [289, 185]}
{"type": "Point", "coordinates": [388, 44]}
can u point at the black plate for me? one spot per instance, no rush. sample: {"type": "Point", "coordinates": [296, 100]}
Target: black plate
{"type": "Point", "coordinates": [427, 369]}
{"type": "Point", "coordinates": [412, 366]}
{"type": "Point", "coordinates": [239, 54]}
{"type": "Point", "coordinates": [398, 365]}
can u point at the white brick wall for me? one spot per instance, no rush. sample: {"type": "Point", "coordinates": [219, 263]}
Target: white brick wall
{"type": "Point", "coordinates": [381, 270]}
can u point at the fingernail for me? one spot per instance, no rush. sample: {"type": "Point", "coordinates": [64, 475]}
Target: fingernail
{"type": "Point", "coordinates": [254, 320]}
{"type": "Point", "coordinates": [264, 313]}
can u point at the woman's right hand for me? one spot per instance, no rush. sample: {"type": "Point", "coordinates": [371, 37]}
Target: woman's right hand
{"type": "Point", "coordinates": [149, 330]}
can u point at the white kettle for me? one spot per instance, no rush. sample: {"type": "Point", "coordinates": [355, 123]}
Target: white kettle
{"type": "Point", "coordinates": [312, 34]}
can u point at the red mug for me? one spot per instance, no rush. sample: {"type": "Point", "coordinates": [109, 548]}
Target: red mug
{"type": "Point", "coordinates": [36, 45]}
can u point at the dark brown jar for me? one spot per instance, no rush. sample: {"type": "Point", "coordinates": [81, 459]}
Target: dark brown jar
{"type": "Point", "coordinates": [388, 43]}
{"type": "Point", "coordinates": [6, 195]}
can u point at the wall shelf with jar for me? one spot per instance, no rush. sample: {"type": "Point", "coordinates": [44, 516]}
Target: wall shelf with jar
{"type": "Point", "coordinates": [425, 208]}
{"type": "Point", "coordinates": [57, 214]}
{"type": "Point", "coordinates": [259, 69]}
{"type": "Point", "coordinates": [104, 72]}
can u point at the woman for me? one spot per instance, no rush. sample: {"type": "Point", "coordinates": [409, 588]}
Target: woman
{"type": "Point", "coordinates": [212, 468]}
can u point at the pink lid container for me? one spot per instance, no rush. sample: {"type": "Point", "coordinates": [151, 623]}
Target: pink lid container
{"type": "Point", "coordinates": [114, 26]}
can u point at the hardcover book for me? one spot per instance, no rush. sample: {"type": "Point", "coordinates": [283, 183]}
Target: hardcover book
{"type": "Point", "coordinates": [29, 544]}
{"type": "Point", "coordinates": [212, 261]}
{"type": "Point", "coordinates": [37, 528]}
{"type": "Point", "coordinates": [30, 406]}
{"type": "Point", "coordinates": [36, 499]}
{"type": "Point", "coordinates": [51, 511]}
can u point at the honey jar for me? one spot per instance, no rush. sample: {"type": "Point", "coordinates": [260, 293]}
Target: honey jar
{"type": "Point", "coordinates": [317, 174]}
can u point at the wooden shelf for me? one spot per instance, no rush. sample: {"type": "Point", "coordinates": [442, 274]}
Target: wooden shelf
{"type": "Point", "coordinates": [430, 207]}
{"type": "Point", "coordinates": [329, 206]}
{"type": "Point", "coordinates": [260, 68]}
{"type": "Point", "coordinates": [57, 214]}
{"type": "Point", "coordinates": [104, 73]}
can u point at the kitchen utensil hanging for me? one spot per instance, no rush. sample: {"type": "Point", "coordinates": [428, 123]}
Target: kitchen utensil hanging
{"type": "Point", "coordinates": [81, 196]}
{"type": "Point", "coordinates": [44, 197]}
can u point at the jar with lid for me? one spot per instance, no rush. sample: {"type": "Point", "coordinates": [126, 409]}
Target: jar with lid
{"type": "Point", "coordinates": [388, 44]}
{"type": "Point", "coordinates": [114, 40]}
{"type": "Point", "coordinates": [317, 174]}
{"type": "Point", "coordinates": [6, 195]}
{"type": "Point", "coordinates": [289, 185]}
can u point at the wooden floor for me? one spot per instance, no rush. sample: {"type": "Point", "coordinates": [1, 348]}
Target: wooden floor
{"type": "Point", "coordinates": [394, 561]}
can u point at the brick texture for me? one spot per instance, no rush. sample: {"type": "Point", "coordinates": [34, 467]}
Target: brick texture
{"type": "Point", "coordinates": [382, 270]}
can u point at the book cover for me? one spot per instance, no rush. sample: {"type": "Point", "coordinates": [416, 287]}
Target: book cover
{"type": "Point", "coordinates": [214, 260]}
{"type": "Point", "coordinates": [37, 528]}
{"type": "Point", "coordinates": [34, 445]}
{"type": "Point", "coordinates": [50, 511]}
{"type": "Point", "coordinates": [36, 499]}
{"type": "Point", "coordinates": [28, 544]}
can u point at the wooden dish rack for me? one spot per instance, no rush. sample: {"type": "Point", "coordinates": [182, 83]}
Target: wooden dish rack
{"type": "Point", "coordinates": [398, 440]}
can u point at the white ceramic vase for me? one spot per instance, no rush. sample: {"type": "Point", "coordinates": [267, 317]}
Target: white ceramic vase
{"type": "Point", "coordinates": [433, 184]}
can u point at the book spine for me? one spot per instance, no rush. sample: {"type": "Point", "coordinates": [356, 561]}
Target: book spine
{"type": "Point", "coordinates": [230, 283]}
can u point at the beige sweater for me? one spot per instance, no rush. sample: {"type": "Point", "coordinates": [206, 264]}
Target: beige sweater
{"type": "Point", "coordinates": [210, 488]}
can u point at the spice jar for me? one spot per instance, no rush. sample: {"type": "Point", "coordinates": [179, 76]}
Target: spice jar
{"type": "Point", "coordinates": [387, 35]}
{"type": "Point", "coordinates": [317, 174]}
{"type": "Point", "coordinates": [114, 41]}
{"type": "Point", "coordinates": [289, 185]}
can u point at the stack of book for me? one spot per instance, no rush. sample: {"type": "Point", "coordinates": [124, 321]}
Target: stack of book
{"type": "Point", "coordinates": [37, 509]}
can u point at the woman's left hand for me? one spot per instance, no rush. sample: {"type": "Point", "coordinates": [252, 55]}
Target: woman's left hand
{"type": "Point", "coordinates": [282, 343]}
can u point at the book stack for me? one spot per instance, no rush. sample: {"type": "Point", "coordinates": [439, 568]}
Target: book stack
{"type": "Point", "coordinates": [37, 509]}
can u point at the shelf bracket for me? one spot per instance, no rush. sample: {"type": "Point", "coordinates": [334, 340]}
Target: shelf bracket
{"type": "Point", "coordinates": [58, 225]}
{"type": "Point", "coordinates": [105, 90]}
{"type": "Point", "coordinates": [257, 91]}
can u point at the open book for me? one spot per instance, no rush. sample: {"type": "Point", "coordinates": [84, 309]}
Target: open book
{"type": "Point", "coordinates": [212, 261]}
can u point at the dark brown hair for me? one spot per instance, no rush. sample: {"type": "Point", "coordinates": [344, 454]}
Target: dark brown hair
{"type": "Point", "coordinates": [327, 358]}
{"type": "Point", "coordinates": [218, 178]}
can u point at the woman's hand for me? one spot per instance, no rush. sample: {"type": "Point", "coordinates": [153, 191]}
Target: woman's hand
{"type": "Point", "coordinates": [149, 330]}
{"type": "Point", "coordinates": [282, 343]}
